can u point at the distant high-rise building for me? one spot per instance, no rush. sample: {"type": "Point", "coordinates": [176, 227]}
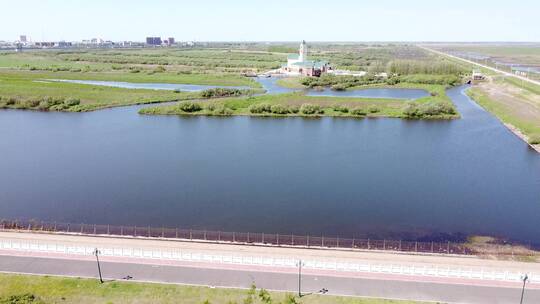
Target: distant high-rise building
{"type": "Point", "coordinates": [63, 44]}
{"type": "Point", "coordinates": [171, 40]}
{"type": "Point", "coordinates": [22, 38]}
{"type": "Point", "coordinates": [153, 40]}
{"type": "Point", "coordinates": [18, 47]}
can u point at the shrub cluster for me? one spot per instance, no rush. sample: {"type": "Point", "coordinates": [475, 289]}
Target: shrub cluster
{"type": "Point", "coordinates": [340, 87]}
{"type": "Point", "coordinates": [340, 82]}
{"type": "Point", "coordinates": [203, 60]}
{"type": "Point", "coordinates": [70, 102]}
{"type": "Point", "coordinates": [534, 139]}
{"type": "Point", "coordinates": [279, 109]}
{"type": "Point", "coordinates": [220, 110]}
{"type": "Point", "coordinates": [451, 80]}
{"type": "Point", "coordinates": [222, 92]}
{"type": "Point", "coordinates": [26, 298]}
{"type": "Point", "coordinates": [265, 108]}
{"type": "Point", "coordinates": [373, 109]}
{"type": "Point", "coordinates": [160, 69]}
{"type": "Point", "coordinates": [56, 68]}
{"type": "Point", "coordinates": [260, 108]}
{"type": "Point", "coordinates": [407, 67]}
{"type": "Point", "coordinates": [430, 109]}
{"type": "Point", "coordinates": [341, 108]}
{"type": "Point", "coordinates": [189, 107]}
{"type": "Point", "coordinates": [358, 111]}
{"type": "Point", "coordinates": [309, 109]}
{"type": "Point", "coordinates": [39, 103]}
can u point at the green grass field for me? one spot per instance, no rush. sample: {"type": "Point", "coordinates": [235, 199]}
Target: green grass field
{"type": "Point", "coordinates": [45, 290]}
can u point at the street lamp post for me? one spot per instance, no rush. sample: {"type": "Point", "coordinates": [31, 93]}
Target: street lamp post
{"type": "Point", "coordinates": [299, 278]}
{"type": "Point", "coordinates": [300, 294]}
{"type": "Point", "coordinates": [524, 278]}
{"type": "Point", "coordinates": [96, 253]}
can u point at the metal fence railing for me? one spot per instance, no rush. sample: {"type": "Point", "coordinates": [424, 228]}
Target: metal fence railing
{"type": "Point", "coordinates": [239, 237]}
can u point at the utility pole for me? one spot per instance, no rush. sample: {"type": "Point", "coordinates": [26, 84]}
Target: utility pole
{"type": "Point", "coordinates": [524, 278]}
{"type": "Point", "coordinates": [96, 253]}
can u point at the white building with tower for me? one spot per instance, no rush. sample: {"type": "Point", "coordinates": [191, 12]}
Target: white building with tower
{"type": "Point", "coordinates": [299, 64]}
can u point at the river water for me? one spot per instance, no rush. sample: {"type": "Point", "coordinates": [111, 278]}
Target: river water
{"type": "Point", "coordinates": [375, 178]}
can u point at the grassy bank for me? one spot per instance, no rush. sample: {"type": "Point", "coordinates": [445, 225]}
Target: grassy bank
{"type": "Point", "coordinates": [21, 92]}
{"type": "Point", "coordinates": [298, 104]}
{"type": "Point", "coordinates": [194, 78]}
{"type": "Point", "coordinates": [31, 90]}
{"type": "Point", "coordinates": [43, 290]}
{"type": "Point", "coordinates": [509, 111]}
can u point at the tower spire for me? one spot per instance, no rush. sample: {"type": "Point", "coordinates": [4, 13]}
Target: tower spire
{"type": "Point", "coordinates": [303, 51]}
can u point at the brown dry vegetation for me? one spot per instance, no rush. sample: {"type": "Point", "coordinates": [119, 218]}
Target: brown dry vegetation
{"type": "Point", "coordinates": [492, 248]}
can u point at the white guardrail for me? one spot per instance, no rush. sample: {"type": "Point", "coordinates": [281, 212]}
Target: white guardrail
{"type": "Point", "coordinates": [188, 256]}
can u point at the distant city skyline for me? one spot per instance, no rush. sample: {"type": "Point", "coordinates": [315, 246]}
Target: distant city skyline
{"type": "Point", "coordinates": [255, 20]}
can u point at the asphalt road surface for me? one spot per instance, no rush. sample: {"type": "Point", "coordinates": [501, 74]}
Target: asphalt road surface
{"type": "Point", "coordinates": [366, 287]}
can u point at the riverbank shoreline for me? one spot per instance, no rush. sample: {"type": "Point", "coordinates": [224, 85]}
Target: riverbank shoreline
{"type": "Point", "coordinates": [476, 97]}
{"type": "Point", "coordinates": [520, 134]}
{"type": "Point", "coordinates": [474, 245]}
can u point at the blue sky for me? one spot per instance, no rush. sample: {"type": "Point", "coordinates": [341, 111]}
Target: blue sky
{"type": "Point", "coordinates": [278, 20]}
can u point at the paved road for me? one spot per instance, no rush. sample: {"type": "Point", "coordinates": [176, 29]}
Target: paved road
{"type": "Point", "coordinates": [483, 65]}
{"type": "Point", "coordinates": [369, 287]}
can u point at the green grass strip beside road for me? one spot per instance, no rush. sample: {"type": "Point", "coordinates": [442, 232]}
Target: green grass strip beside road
{"type": "Point", "coordinates": [29, 289]}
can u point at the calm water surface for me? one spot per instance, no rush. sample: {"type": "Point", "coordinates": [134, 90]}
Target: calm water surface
{"type": "Point", "coordinates": [348, 177]}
